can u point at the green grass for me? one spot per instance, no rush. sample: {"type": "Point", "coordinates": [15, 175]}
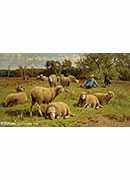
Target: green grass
{"type": "Point", "coordinates": [116, 113]}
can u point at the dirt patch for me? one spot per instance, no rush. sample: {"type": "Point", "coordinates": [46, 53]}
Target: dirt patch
{"type": "Point", "coordinates": [107, 121]}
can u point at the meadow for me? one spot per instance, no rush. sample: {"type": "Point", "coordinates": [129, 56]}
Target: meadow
{"type": "Point", "coordinates": [116, 113]}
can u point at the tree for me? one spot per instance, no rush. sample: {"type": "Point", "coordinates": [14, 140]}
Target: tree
{"type": "Point", "coordinates": [67, 66]}
{"type": "Point", "coordinates": [98, 63]}
{"type": "Point", "coordinates": [54, 67]}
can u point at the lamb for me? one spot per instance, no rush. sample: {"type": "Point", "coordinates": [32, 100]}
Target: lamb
{"type": "Point", "coordinates": [104, 98]}
{"type": "Point", "coordinates": [15, 99]}
{"type": "Point", "coordinates": [88, 100]}
{"type": "Point", "coordinates": [56, 110]}
{"type": "Point", "coordinates": [42, 95]}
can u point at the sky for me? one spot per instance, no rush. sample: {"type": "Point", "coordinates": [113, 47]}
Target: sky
{"type": "Point", "coordinates": [14, 60]}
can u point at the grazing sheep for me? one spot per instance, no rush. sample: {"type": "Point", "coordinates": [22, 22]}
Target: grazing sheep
{"type": "Point", "coordinates": [42, 95]}
{"type": "Point", "coordinates": [52, 79]}
{"type": "Point", "coordinates": [15, 99]}
{"type": "Point", "coordinates": [73, 79]}
{"type": "Point", "coordinates": [88, 100]}
{"type": "Point", "coordinates": [56, 110]}
{"type": "Point", "coordinates": [104, 98]}
{"type": "Point", "coordinates": [65, 81]}
{"type": "Point", "coordinates": [92, 101]}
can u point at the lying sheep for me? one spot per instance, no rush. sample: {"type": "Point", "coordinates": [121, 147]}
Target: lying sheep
{"type": "Point", "coordinates": [15, 99]}
{"type": "Point", "coordinates": [42, 95]}
{"type": "Point", "coordinates": [52, 79]}
{"type": "Point", "coordinates": [41, 77]}
{"type": "Point", "coordinates": [104, 98]}
{"type": "Point", "coordinates": [44, 78]}
{"type": "Point", "coordinates": [82, 99]}
{"type": "Point", "coordinates": [57, 110]}
{"type": "Point", "coordinates": [88, 100]}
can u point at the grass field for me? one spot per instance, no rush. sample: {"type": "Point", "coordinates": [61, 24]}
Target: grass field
{"type": "Point", "coordinates": [116, 113]}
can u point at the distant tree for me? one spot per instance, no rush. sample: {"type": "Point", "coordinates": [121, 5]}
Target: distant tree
{"type": "Point", "coordinates": [98, 63]}
{"type": "Point", "coordinates": [54, 67]}
{"type": "Point", "coordinates": [67, 66]}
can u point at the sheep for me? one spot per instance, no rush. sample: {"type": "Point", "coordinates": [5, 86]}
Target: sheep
{"type": "Point", "coordinates": [52, 79]}
{"type": "Point", "coordinates": [92, 101]}
{"type": "Point", "coordinates": [56, 110]}
{"type": "Point", "coordinates": [104, 98]}
{"type": "Point", "coordinates": [82, 99]}
{"type": "Point", "coordinates": [73, 79]}
{"type": "Point", "coordinates": [15, 99]}
{"type": "Point", "coordinates": [42, 95]}
{"type": "Point", "coordinates": [44, 78]}
{"type": "Point", "coordinates": [65, 81]}
{"type": "Point", "coordinates": [20, 88]}
{"type": "Point", "coordinates": [88, 100]}
{"type": "Point", "coordinates": [41, 77]}
{"type": "Point", "coordinates": [38, 77]}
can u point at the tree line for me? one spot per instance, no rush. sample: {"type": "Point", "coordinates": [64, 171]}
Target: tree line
{"type": "Point", "coordinates": [115, 65]}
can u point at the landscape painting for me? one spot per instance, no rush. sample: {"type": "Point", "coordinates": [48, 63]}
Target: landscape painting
{"type": "Point", "coordinates": [64, 89]}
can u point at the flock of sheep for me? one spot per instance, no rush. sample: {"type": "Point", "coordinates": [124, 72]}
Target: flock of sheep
{"type": "Point", "coordinates": [44, 95]}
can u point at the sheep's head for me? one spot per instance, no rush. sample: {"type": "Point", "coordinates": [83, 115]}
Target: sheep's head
{"type": "Point", "coordinates": [83, 95]}
{"type": "Point", "coordinates": [59, 89]}
{"type": "Point", "coordinates": [109, 95]}
{"type": "Point", "coordinates": [51, 112]}
{"type": "Point", "coordinates": [77, 81]}
{"type": "Point", "coordinates": [82, 99]}
{"type": "Point", "coordinates": [20, 88]}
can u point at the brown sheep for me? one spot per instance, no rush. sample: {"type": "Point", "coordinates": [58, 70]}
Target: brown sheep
{"type": "Point", "coordinates": [88, 100]}
{"type": "Point", "coordinates": [56, 110]}
{"type": "Point", "coordinates": [52, 79]}
{"type": "Point", "coordinates": [42, 95]}
{"type": "Point", "coordinates": [104, 98]}
{"type": "Point", "coordinates": [15, 99]}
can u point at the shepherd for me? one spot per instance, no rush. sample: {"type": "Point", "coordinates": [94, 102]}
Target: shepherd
{"type": "Point", "coordinates": [91, 82]}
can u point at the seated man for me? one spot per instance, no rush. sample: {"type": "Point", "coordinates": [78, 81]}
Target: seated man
{"type": "Point", "coordinates": [91, 82]}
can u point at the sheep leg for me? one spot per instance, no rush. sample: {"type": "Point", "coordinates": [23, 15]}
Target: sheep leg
{"type": "Point", "coordinates": [86, 105]}
{"type": "Point", "coordinates": [39, 110]}
{"type": "Point", "coordinates": [66, 117]}
{"type": "Point", "coordinates": [31, 110]}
